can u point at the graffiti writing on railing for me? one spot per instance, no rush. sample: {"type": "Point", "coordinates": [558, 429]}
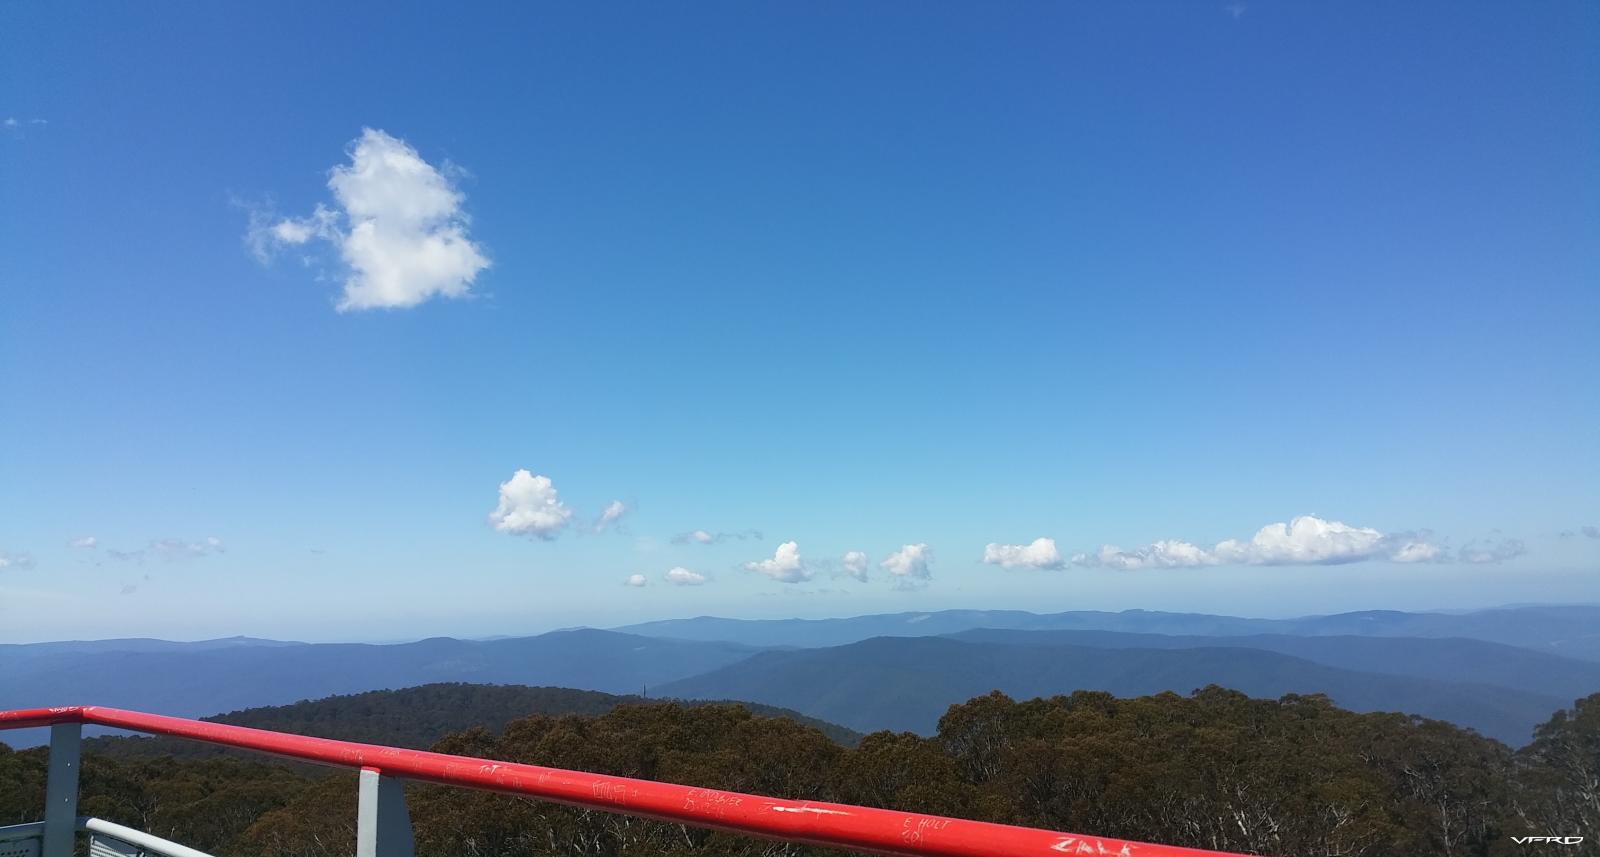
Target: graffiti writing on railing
{"type": "Point", "coordinates": [710, 802]}
{"type": "Point", "coordinates": [1077, 845]}
{"type": "Point", "coordinates": [915, 827]}
{"type": "Point", "coordinates": [616, 793]}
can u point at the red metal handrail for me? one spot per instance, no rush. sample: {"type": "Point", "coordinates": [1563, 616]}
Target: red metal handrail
{"type": "Point", "coordinates": [831, 825]}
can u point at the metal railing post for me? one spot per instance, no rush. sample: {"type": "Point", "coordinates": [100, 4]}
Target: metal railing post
{"type": "Point", "coordinates": [61, 790]}
{"type": "Point", "coordinates": [383, 824]}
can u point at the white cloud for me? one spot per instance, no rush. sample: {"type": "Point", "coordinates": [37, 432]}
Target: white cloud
{"type": "Point", "coordinates": [1040, 553]}
{"type": "Point", "coordinates": [18, 127]}
{"type": "Point", "coordinates": [703, 537]}
{"type": "Point", "coordinates": [1310, 540]}
{"type": "Point", "coordinates": [15, 560]}
{"type": "Point", "coordinates": [908, 566]}
{"type": "Point", "coordinates": [399, 227]}
{"type": "Point", "coordinates": [611, 515]}
{"type": "Point", "coordinates": [1306, 540]}
{"type": "Point", "coordinates": [635, 580]}
{"type": "Point", "coordinates": [179, 549]}
{"type": "Point", "coordinates": [1163, 554]}
{"type": "Point", "coordinates": [1409, 549]}
{"type": "Point", "coordinates": [529, 506]}
{"type": "Point", "coordinates": [855, 565]}
{"type": "Point", "coordinates": [785, 565]}
{"type": "Point", "coordinates": [171, 550]}
{"type": "Point", "coordinates": [681, 576]}
{"type": "Point", "coordinates": [84, 542]}
{"type": "Point", "coordinates": [1491, 552]}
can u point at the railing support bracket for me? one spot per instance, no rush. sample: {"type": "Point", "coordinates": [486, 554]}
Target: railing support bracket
{"type": "Point", "coordinates": [383, 824]}
{"type": "Point", "coordinates": [61, 790]}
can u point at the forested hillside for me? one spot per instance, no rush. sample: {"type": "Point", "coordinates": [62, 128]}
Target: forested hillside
{"type": "Point", "coordinates": [906, 683]}
{"type": "Point", "coordinates": [1296, 777]}
{"type": "Point", "coordinates": [417, 717]}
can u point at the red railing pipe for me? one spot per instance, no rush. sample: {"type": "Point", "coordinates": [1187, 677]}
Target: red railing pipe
{"type": "Point", "coordinates": [831, 825]}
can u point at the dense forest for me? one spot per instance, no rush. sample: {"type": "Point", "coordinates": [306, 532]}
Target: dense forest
{"type": "Point", "coordinates": [417, 717]}
{"type": "Point", "coordinates": [1292, 776]}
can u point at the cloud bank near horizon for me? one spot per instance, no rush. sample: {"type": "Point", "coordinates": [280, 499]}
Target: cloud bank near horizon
{"type": "Point", "coordinates": [1304, 540]}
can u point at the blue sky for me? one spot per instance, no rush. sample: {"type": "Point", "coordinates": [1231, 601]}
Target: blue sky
{"type": "Point", "coordinates": [853, 276]}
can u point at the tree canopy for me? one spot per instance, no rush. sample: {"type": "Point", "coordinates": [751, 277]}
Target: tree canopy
{"type": "Point", "coordinates": [1295, 776]}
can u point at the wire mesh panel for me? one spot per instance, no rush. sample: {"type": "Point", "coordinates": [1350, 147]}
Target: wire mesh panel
{"type": "Point", "coordinates": [21, 840]}
{"type": "Point", "coordinates": [20, 847]}
{"type": "Point", "coordinates": [105, 846]}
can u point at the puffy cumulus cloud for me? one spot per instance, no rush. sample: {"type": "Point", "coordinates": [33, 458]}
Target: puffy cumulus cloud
{"type": "Point", "coordinates": [398, 224]}
{"type": "Point", "coordinates": [1491, 552]}
{"type": "Point", "coordinates": [1309, 540]}
{"type": "Point", "coordinates": [855, 564]}
{"type": "Point", "coordinates": [10, 560]}
{"type": "Point", "coordinates": [529, 506]}
{"type": "Point", "coordinates": [635, 580]}
{"type": "Point", "coordinates": [909, 566]}
{"type": "Point", "coordinates": [1306, 540]}
{"type": "Point", "coordinates": [681, 576]}
{"type": "Point", "coordinates": [84, 542]}
{"type": "Point", "coordinates": [1040, 553]}
{"type": "Point", "coordinates": [785, 565]}
{"type": "Point", "coordinates": [702, 537]}
{"type": "Point", "coordinates": [610, 515]}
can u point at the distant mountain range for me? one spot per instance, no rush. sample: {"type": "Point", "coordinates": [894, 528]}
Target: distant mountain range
{"type": "Point", "coordinates": [1572, 631]}
{"type": "Point", "coordinates": [131, 644]}
{"type": "Point", "coordinates": [1443, 659]}
{"type": "Point", "coordinates": [1498, 671]}
{"type": "Point", "coordinates": [193, 680]}
{"type": "Point", "coordinates": [905, 684]}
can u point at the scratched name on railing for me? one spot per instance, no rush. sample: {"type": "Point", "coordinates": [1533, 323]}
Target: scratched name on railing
{"type": "Point", "coordinates": [914, 828]}
{"type": "Point", "coordinates": [711, 803]}
{"type": "Point", "coordinates": [1079, 845]}
{"type": "Point", "coordinates": [616, 793]}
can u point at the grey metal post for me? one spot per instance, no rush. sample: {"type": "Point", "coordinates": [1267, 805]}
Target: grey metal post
{"type": "Point", "coordinates": [61, 790]}
{"type": "Point", "coordinates": [383, 825]}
